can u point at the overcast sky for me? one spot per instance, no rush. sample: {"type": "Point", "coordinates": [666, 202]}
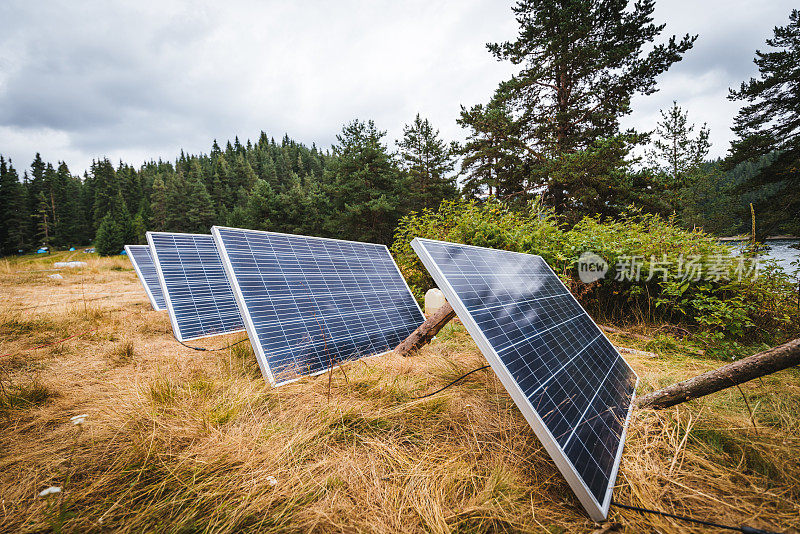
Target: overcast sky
{"type": "Point", "coordinates": [145, 79]}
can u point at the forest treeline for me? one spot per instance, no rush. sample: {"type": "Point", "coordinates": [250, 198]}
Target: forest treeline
{"type": "Point", "coordinates": [552, 131]}
{"type": "Point", "coordinates": [357, 190]}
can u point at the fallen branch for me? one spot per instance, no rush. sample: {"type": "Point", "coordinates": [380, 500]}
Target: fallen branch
{"type": "Point", "coordinates": [425, 332]}
{"type": "Point", "coordinates": [732, 374]}
{"type": "Point", "coordinates": [613, 330]}
{"type": "Point", "coordinates": [636, 352]}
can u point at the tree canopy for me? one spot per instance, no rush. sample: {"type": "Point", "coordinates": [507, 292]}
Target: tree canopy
{"type": "Point", "coordinates": [769, 123]}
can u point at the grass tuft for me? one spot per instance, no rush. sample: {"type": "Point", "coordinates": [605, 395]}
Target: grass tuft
{"type": "Point", "coordinates": [123, 353]}
{"type": "Point", "coordinates": [22, 395]}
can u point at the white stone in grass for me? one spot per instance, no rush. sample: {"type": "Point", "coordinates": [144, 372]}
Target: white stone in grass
{"type": "Point", "coordinates": [49, 491]}
{"type": "Point", "coordinates": [272, 481]}
{"type": "Point", "coordinates": [78, 419]}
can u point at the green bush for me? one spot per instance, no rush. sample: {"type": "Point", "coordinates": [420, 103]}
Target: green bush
{"type": "Point", "coordinates": [753, 308]}
{"type": "Point", "coordinates": [113, 235]}
{"type": "Point", "coordinates": [491, 224]}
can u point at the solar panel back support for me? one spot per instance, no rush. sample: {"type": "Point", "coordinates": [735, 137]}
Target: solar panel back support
{"type": "Point", "coordinates": [408, 312]}
{"type": "Point", "coordinates": [154, 292]}
{"type": "Point", "coordinates": [596, 508]}
{"type": "Point", "coordinates": [215, 304]}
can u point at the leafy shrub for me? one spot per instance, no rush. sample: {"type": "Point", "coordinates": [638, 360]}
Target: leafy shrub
{"type": "Point", "coordinates": [763, 306]}
{"type": "Point", "coordinates": [491, 224]}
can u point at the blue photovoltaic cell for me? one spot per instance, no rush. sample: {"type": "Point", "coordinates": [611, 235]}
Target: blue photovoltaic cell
{"type": "Point", "coordinates": [196, 290]}
{"type": "Point", "coordinates": [146, 271]}
{"type": "Point", "coordinates": [311, 303]}
{"type": "Point", "coordinates": [563, 373]}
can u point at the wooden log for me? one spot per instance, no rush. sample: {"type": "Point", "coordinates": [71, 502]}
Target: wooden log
{"type": "Point", "coordinates": [732, 374]}
{"type": "Point", "coordinates": [425, 332]}
{"type": "Point", "coordinates": [614, 330]}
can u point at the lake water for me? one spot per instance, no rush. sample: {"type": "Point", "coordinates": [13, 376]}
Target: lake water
{"type": "Point", "coordinates": [780, 250]}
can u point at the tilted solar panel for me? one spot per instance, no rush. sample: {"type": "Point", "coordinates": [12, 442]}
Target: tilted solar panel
{"type": "Point", "coordinates": [310, 303]}
{"type": "Point", "coordinates": [569, 382]}
{"type": "Point", "coordinates": [196, 290]}
{"type": "Point", "coordinates": [146, 271]}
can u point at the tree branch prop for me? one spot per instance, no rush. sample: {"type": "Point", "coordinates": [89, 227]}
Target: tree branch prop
{"type": "Point", "coordinates": [425, 332]}
{"type": "Point", "coordinates": [732, 374]}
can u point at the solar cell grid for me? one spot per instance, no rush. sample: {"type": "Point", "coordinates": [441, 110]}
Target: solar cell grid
{"type": "Point", "coordinates": [563, 373]}
{"type": "Point", "coordinates": [311, 303]}
{"type": "Point", "coordinates": [196, 290]}
{"type": "Point", "coordinates": [145, 269]}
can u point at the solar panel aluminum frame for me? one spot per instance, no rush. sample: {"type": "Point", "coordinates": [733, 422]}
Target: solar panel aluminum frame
{"type": "Point", "coordinates": [170, 310]}
{"type": "Point", "coordinates": [249, 325]}
{"type": "Point", "coordinates": [129, 251]}
{"type": "Point", "coordinates": [597, 511]}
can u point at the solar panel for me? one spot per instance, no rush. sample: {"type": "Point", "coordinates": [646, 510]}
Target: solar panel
{"type": "Point", "coordinates": [569, 382]}
{"type": "Point", "coordinates": [146, 271]}
{"type": "Point", "coordinates": [196, 290]}
{"type": "Point", "coordinates": [311, 303]}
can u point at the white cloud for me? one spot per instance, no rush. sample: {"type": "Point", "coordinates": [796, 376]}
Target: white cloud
{"type": "Point", "coordinates": [142, 80]}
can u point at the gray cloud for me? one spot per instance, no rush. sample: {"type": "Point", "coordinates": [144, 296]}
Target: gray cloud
{"type": "Point", "coordinates": [145, 79]}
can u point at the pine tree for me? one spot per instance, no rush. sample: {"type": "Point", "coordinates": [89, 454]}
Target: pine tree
{"type": "Point", "coordinates": [243, 174]}
{"type": "Point", "coordinates": [176, 193]}
{"type": "Point", "coordinates": [110, 239]}
{"type": "Point", "coordinates": [268, 171]}
{"type": "Point", "coordinates": [676, 152]}
{"type": "Point", "coordinates": [220, 183]}
{"type": "Point", "coordinates": [770, 123]}
{"type": "Point", "coordinates": [44, 223]}
{"type": "Point", "coordinates": [158, 204]}
{"type": "Point", "coordinates": [676, 162]}
{"type": "Point", "coordinates": [365, 185]}
{"type": "Point", "coordinates": [14, 217]}
{"type": "Point", "coordinates": [428, 163]}
{"type": "Point", "coordinates": [139, 229]}
{"type": "Point", "coordinates": [106, 189]}
{"type": "Point", "coordinates": [493, 161]}
{"type": "Point", "coordinates": [34, 184]}
{"type": "Point", "coordinates": [66, 192]}
{"type": "Point", "coordinates": [260, 207]}
{"type": "Point", "coordinates": [199, 209]}
{"type": "Point", "coordinates": [581, 62]}
{"type": "Point", "coordinates": [131, 186]}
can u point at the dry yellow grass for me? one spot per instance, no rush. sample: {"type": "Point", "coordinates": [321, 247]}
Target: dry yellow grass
{"type": "Point", "coordinates": [185, 441]}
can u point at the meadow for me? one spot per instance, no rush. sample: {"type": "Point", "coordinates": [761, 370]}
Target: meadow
{"type": "Point", "coordinates": [176, 440]}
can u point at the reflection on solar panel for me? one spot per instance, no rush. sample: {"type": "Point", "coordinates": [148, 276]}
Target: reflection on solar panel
{"type": "Point", "coordinates": [310, 303]}
{"type": "Point", "coordinates": [567, 379]}
{"type": "Point", "coordinates": [197, 293]}
{"type": "Point", "coordinates": [146, 271]}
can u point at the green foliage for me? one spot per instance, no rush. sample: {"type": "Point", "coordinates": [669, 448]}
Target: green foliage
{"type": "Point", "coordinates": [751, 308]}
{"type": "Point", "coordinates": [13, 210]}
{"type": "Point", "coordinates": [769, 123]}
{"type": "Point", "coordinates": [492, 224]}
{"type": "Point", "coordinates": [554, 126]}
{"type": "Point", "coordinates": [494, 161]}
{"type": "Point", "coordinates": [427, 166]}
{"type": "Point", "coordinates": [364, 184]}
{"type": "Point", "coordinates": [111, 236]}
{"type": "Point", "coordinates": [676, 151]}
{"type": "Point", "coordinates": [357, 192]}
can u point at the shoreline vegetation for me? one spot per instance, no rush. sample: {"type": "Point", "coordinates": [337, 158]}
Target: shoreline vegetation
{"type": "Point", "coordinates": [747, 237]}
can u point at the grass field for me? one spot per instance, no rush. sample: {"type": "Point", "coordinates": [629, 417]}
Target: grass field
{"type": "Point", "coordinates": [182, 441]}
